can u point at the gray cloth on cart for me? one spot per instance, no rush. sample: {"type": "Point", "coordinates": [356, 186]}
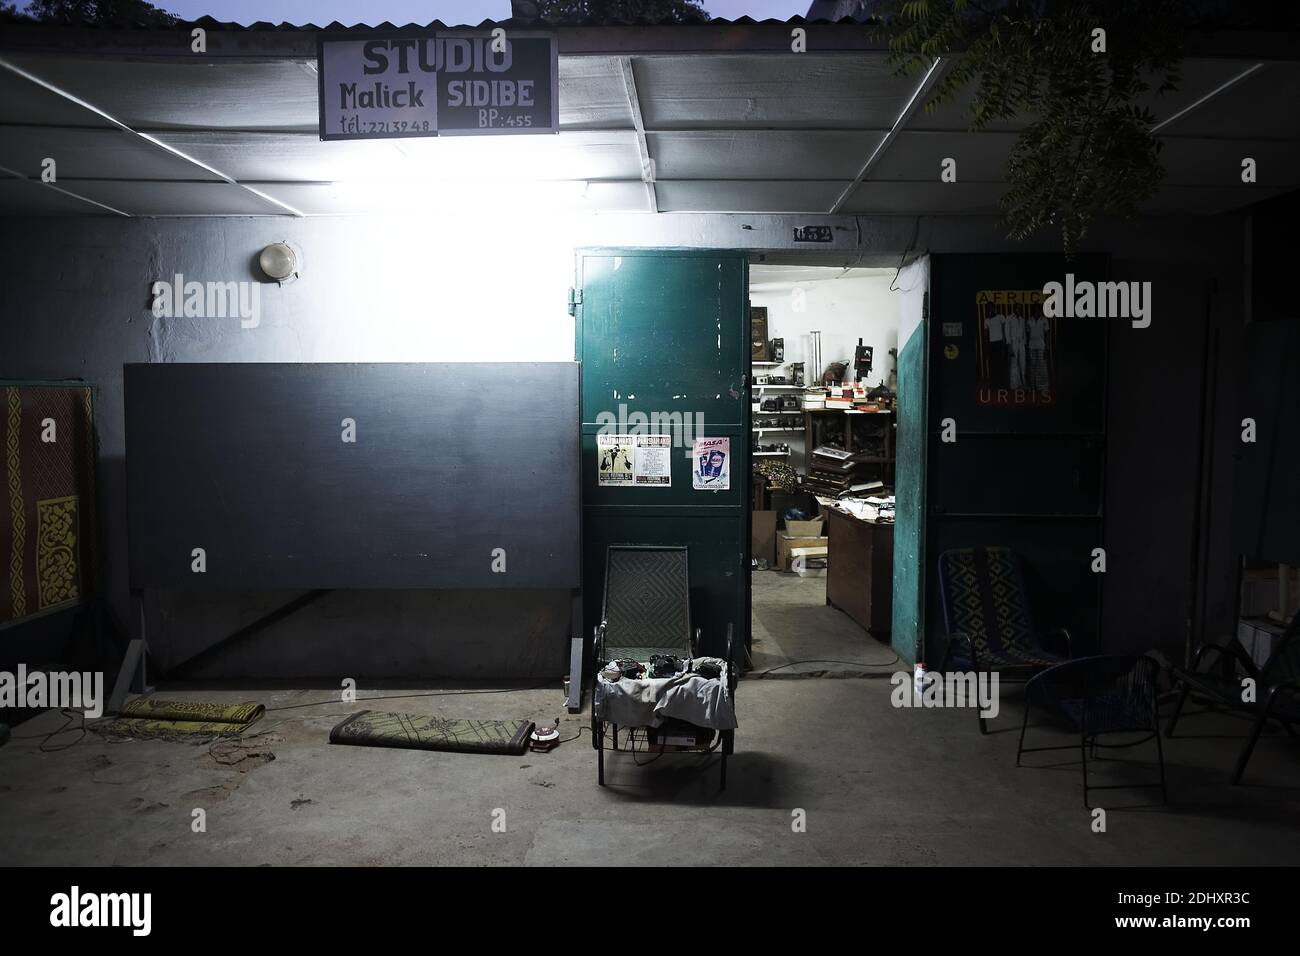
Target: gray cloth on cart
{"type": "Point", "coordinates": [650, 701]}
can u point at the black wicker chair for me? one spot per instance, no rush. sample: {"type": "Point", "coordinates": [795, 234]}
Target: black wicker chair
{"type": "Point", "coordinates": [1277, 687]}
{"type": "Point", "coordinates": [646, 611]}
{"type": "Point", "coordinates": [1106, 694]}
{"type": "Point", "coordinates": [988, 616]}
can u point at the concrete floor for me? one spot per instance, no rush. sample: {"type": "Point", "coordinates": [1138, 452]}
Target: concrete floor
{"type": "Point", "coordinates": [878, 786]}
{"type": "Point", "coordinates": [797, 634]}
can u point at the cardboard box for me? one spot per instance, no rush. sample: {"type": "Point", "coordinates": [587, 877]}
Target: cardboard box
{"type": "Point", "coordinates": [809, 562]}
{"type": "Point", "coordinates": [1260, 637]}
{"type": "Point", "coordinates": [804, 529]}
{"type": "Point", "coordinates": [762, 539]}
{"type": "Point", "coordinates": [785, 542]}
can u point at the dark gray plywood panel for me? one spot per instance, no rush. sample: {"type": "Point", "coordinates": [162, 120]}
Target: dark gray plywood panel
{"type": "Point", "coordinates": [1266, 509]}
{"type": "Point", "coordinates": [247, 462]}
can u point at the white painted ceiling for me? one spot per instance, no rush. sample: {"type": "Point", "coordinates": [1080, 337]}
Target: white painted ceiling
{"type": "Point", "coordinates": [743, 133]}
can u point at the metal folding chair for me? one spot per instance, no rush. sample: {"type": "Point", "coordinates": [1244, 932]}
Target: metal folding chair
{"type": "Point", "coordinates": [1276, 693]}
{"type": "Point", "coordinates": [1106, 694]}
{"type": "Point", "coordinates": [646, 611]}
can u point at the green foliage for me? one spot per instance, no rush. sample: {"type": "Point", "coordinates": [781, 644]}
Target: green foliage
{"type": "Point", "coordinates": [116, 13]}
{"type": "Point", "coordinates": [1087, 150]}
{"type": "Point", "coordinates": [654, 11]}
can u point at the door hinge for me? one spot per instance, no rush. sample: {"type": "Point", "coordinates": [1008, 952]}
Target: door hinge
{"type": "Point", "coordinates": [575, 300]}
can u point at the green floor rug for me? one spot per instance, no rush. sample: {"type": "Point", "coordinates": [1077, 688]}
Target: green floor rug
{"type": "Point", "coordinates": [372, 728]}
{"type": "Point", "coordinates": [148, 718]}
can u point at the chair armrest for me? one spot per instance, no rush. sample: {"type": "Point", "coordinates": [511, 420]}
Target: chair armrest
{"type": "Point", "coordinates": [1285, 687]}
{"type": "Point", "coordinates": [597, 645]}
{"type": "Point", "coordinates": [731, 662]}
{"type": "Point", "coordinates": [1231, 649]}
{"type": "Point", "coordinates": [963, 639]}
{"type": "Point", "coordinates": [1064, 632]}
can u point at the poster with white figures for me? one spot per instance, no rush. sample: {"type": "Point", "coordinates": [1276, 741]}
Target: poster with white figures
{"type": "Point", "coordinates": [711, 464]}
{"type": "Point", "coordinates": [615, 465]}
{"type": "Point", "coordinates": [1015, 349]}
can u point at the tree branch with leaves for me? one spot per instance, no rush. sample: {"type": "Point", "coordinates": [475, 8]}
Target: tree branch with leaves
{"type": "Point", "coordinates": [1077, 72]}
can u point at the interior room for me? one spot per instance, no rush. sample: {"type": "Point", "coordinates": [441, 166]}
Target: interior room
{"type": "Point", "coordinates": [823, 461]}
{"type": "Point", "coordinates": [676, 466]}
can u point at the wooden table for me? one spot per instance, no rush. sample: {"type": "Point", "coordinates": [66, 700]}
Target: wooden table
{"type": "Point", "coordinates": [860, 575]}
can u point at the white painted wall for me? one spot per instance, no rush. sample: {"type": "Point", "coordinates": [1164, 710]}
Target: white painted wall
{"type": "Point", "coordinates": [74, 302]}
{"type": "Point", "coordinates": [845, 304]}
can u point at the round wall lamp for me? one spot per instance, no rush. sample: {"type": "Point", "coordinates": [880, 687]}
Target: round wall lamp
{"type": "Point", "coordinates": [279, 261]}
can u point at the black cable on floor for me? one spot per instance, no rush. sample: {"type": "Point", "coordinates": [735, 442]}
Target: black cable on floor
{"type": "Point", "coordinates": [863, 664]}
{"type": "Point", "coordinates": [432, 693]}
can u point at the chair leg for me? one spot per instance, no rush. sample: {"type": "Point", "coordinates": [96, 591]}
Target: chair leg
{"type": "Point", "coordinates": [1083, 753]}
{"type": "Point", "coordinates": [1160, 757]}
{"type": "Point", "coordinates": [600, 760]}
{"type": "Point", "coordinates": [615, 736]}
{"type": "Point", "coordinates": [1247, 750]}
{"type": "Point", "coordinates": [724, 770]}
{"type": "Point", "coordinates": [984, 724]}
{"type": "Point", "coordinates": [1024, 724]}
{"type": "Point", "coordinates": [1178, 709]}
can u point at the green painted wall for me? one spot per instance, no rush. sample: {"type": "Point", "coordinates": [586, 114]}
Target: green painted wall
{"type": "Point", "coordinates": [909, 516]}
{"type": "Point", "coordinates": [666, 333]}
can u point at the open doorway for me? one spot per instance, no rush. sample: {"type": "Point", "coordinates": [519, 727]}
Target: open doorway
{"type": "Point", "coordinates": [825, 447]}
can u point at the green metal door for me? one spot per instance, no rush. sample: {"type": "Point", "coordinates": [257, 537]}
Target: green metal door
{"type": "Point", "coordinates": [663, 338]}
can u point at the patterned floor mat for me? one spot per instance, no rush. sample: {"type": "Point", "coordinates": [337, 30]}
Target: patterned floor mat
{"type": "Point", "coordinates": [372, 728]}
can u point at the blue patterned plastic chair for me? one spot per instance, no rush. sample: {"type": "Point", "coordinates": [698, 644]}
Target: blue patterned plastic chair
{"type": "Point", "coordinates": [986, 611]}
{"type": "Point", "coordinates": [1106, 694]}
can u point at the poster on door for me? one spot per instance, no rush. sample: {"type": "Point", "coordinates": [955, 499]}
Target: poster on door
{"type": "Point", "coordinates": [711, 464]}
{"type": "Point", "coordinates": [1015, 349]}
{"type": "Point", "coordinates": [634, 461]}
{"type": "Point", "coordinates": [652, 463]}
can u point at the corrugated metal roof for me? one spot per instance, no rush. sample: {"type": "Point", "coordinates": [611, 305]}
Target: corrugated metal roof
{"type": "Point", "coordinates": [517, 23]}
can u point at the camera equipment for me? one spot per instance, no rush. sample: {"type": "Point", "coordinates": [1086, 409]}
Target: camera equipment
{"type": "Point", "coordinates": [708, 668]}
{"type": "Point", "coordinates": [862, 361]}
{"type": "Point", "coordinates": [666, 665]}
{"type": "Point", "coordinates": [776, 380]}
{"type": "Point", "coordinates": [631, 669]}
{"type": "Point", "coordinates": [770, 404]}
{"type": "Point", "coordinates": [778, 350]}
{"type": "Point", "coordinates": [789, 403]}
